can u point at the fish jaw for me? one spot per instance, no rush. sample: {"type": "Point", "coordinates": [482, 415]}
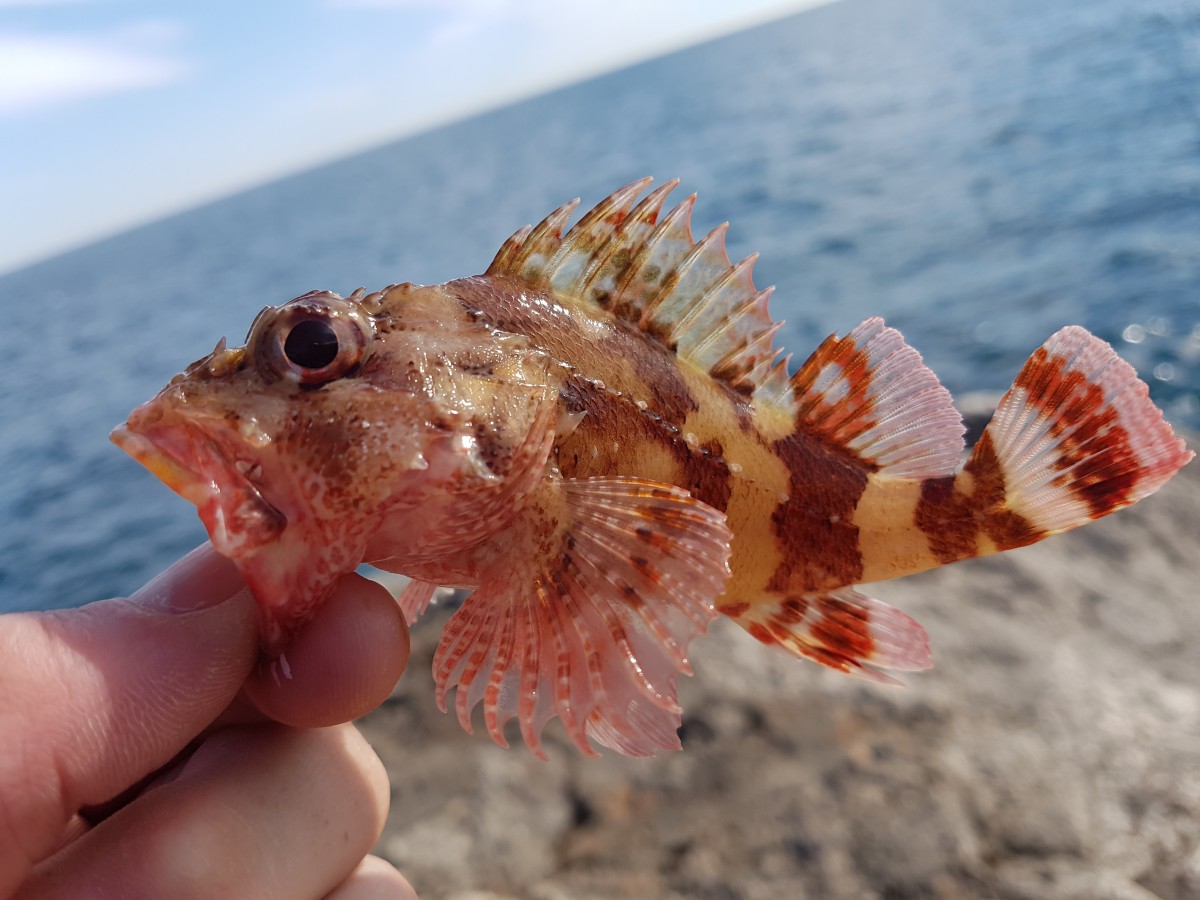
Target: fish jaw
{"type": "Point", "coordinates": [242, 524]}
{"type": "Point", "coordinates": [238, 518]}
{"type": "Point", "coordinates": [290, 563]}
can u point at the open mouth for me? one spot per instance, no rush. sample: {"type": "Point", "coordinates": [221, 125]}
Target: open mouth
{"type": "Point", "coordinates": [163, 464]}
{"type": "Point", "coordinates": [235, 513]}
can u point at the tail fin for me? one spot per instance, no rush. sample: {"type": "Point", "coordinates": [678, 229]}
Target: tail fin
{"type": "Point", "coordinates": [1075, 438]}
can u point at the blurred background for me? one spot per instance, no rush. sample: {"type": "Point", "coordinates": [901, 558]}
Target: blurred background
{"type": "Point", "coordinates": [978, 172]}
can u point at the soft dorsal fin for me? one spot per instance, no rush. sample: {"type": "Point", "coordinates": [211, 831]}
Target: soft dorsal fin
{"type": "Point", "coordinates": [870, 393]}
{"type": "Point", "coordinates": [651, 273]}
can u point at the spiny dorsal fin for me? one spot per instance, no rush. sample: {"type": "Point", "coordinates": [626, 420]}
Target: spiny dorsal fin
{"type": "Point", "coordinates": [652, 274]}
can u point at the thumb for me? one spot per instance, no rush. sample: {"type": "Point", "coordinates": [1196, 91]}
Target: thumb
{"type": "Point", "coordinates": [95, 698]}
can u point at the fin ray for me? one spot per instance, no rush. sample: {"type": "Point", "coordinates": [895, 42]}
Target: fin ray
{"type": "Point", "coordinates": [415, 599]}
{"type": "Point", "coordinates": [655, 276]}
{"type": "Point", "coordinates": [1075, 438]}
{"type": "Point", "coordinates": [871, 394]}
{"type": "Point", "coordinates": [602, 623]}
{"type": "Point", "coordinates": [841, 629]}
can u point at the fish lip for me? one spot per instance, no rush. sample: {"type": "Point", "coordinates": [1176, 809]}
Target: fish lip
{"type": "Point", "coordinates": [164, 462]}
{"type": "Point", "coordinates": [235, 513]}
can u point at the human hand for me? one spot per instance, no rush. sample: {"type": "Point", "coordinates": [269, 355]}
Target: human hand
{"type": "Point", "coordinates": [142, 755]}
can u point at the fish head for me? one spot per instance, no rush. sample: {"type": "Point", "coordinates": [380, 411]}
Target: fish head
{"type": "Point", "coordinates": [337, 414]}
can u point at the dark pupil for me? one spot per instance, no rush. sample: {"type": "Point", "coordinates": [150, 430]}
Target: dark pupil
{"type": "Point", "coordinates": [312, 344]}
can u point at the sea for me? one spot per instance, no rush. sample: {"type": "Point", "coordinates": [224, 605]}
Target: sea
{"type": "Point", "coordinates": [978, 172]}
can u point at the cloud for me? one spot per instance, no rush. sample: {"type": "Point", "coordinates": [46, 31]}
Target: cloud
{"type": "Point", "coordinates": [40, 70]}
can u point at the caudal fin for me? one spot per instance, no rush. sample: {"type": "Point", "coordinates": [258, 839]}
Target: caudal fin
{"type": "Point", "coordinates": [1075, 438]}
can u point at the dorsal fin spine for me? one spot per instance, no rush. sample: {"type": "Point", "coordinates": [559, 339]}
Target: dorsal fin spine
{"type": "Point", "coordinates": [543, 237]}
{"type": "Point", "coordinates": [646, 269]}
{"type": "Point", "coordinates": [652, 203]}
{"type": "Point", "coordinates": [714, 242]}
{"type": "Point", "coordinates": [678, 218]}
{"type": "Point", "coordinates": [773, 384]}
{"type": "Point", "coordinates": [618, 204]}
{"type": "Point", "coordinates": [683, 307]}
{"type": "Point", "coordinates": [510, 250]}
{"type": "Point", "coordinates": [742, 270]}
{"type": "Point", "coordinates": [758, 346]}
{"type": "Point", "coordinates": [571, 267]}
{"type": "Point", "coordinates": [640, 222]}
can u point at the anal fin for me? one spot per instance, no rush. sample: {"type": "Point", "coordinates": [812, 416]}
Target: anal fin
{"type": "Point", "coordinates": [415, 599]}
{"type": "Point", "coordinates": [842, 629]}
{"type": "Point", "coordinates": [586, 615]}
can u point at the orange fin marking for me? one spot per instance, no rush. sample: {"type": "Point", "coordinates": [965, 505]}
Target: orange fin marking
{"type": "Point", "coordinates": [842, 629]}
{"type": "Point", "coordinates": [655, 276]}
{"type": "Point", "coordinates": [415, 599]}
{"type": "Point", "coordinates": [1075, 438]}
{"type": "Point", "coordinates": [870, 394]}
{"type": "Point", "coordinates": [595, 629]}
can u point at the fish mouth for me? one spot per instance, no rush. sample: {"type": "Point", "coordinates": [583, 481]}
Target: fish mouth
{"type": "Point", "coordinates": [238, 518]}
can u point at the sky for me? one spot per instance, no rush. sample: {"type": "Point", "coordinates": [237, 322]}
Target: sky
{"type": "Point", "coordinates": [114, 113]}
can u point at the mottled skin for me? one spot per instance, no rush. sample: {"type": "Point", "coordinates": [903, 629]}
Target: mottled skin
{"type": "Point", "coordinates": [649, 415]}
{"type": "Point", "coordinates": [422, 441]}
{"type": "Point", "coordinates": [599, 436]}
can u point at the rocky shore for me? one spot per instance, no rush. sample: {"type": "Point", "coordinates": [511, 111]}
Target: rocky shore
{"type": "Point", "coordinates": [1053, 752]}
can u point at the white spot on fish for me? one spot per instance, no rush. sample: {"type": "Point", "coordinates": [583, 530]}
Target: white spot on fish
{"type": "Point", "coordinates": [250, 430]}
{"type": "Point", "coordinates": [568, 422]}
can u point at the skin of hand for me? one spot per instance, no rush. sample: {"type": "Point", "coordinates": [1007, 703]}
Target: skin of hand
{"type": "Point", "coordinates": [146, 752]}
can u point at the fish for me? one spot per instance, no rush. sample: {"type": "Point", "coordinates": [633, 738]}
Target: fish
{"type": "Point", "coordinates": [599, 438]}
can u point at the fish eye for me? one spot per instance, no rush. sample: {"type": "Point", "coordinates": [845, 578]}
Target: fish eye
{"type": "Point", "coordinates": [311, 344]}
{"type": "Point", "coordinates": [313, 340]}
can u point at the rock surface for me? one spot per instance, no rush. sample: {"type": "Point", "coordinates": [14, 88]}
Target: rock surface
{"type": "Point", "coordinates": [1053, 752]}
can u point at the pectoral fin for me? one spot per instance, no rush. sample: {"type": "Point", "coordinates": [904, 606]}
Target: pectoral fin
{"type": "Point", "coordinates": [586, 614]}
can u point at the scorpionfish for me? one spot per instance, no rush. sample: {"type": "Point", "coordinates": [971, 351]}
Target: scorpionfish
{"type": "Point", "coordinates": [599, 437]}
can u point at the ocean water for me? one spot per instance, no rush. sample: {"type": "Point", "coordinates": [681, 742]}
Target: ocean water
{"type": "Point", "coordinates": [978, 172]}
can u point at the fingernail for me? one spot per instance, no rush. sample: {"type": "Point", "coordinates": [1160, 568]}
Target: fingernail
{"type": "Point", "coordinates": [200, 580]}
